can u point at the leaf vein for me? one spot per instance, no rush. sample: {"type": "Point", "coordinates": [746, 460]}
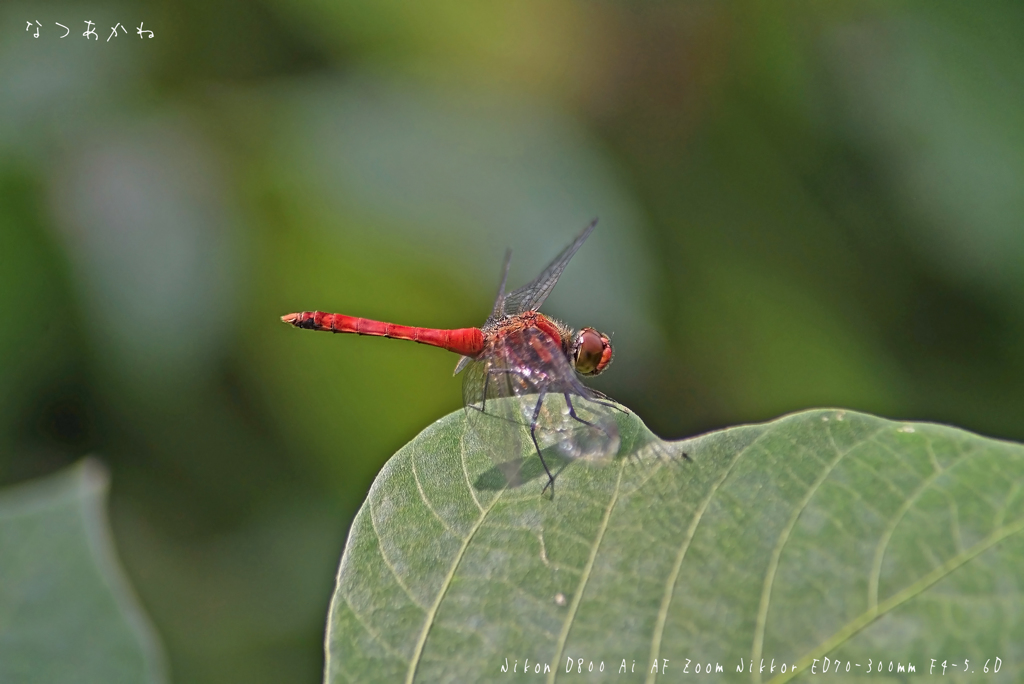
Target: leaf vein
{"type": "Point", "coordinates": [883, 541]}
{"type": "Point", "coordinates": [426, 502]}
{"type": "Point", "coordinates": [465, 470]}
{"type": "Point", "coordinates": [582, 585]}
{"type": "Point", "coordinates": [428, 621]}
{"type": "Point", "coordinates": [673, 576]}
{"type": "Point", "coordinates": [773, 563]}
{"type": "Point", "coordinates": [871, 614]}
{"type": "Point", "coordinates": [387, 561]}
{"type": "Point", "coordinates": [372, 632]}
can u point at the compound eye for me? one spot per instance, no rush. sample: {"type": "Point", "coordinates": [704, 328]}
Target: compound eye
{"type": "Point", "coordinates": [592, 352]}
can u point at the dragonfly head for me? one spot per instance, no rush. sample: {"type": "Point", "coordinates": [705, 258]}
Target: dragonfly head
{"type": "Point", "coordinates": [591, 352]}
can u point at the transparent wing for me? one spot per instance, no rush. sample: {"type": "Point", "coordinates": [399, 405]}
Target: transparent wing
{"type": "Point", "coordinates": [530, 297]}
{"type": "Point", "coordinates": [499, 303]}
{"type": "Point", "coordinates": [523, 400]}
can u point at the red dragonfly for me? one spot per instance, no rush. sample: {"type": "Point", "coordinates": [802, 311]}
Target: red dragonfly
{"type": "Point", "coordinates": [522, 372]}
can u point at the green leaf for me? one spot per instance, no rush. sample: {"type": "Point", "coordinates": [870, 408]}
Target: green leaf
{"type": "Point", "coordinates": [821, 534]}
{"type": "Point", "coordinates": [826, 533]}
{"type": "Point", "coordinates": [66, 611]}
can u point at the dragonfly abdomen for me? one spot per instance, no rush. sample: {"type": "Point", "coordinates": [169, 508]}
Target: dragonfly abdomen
{"type": "Point", "coordinates": [465, 341]}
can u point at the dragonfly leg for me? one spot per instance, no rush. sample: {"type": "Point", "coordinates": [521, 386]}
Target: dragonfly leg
{"type": "Point", "coordinates": [610, 403]}
{"type": "Point", "coordinates": [483, 402]}
{"type": "Point", "coordinates": [487, 381]}
{"type": "Point", "coordinates": [533, 436]}
{"type": "Point", "coordinates": [533, 421]}
{"type": "Point", "coordinates": [572, 412]}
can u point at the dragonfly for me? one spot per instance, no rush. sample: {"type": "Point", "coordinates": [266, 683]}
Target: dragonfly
{"type": "Point", "coordinates": [522, 386]}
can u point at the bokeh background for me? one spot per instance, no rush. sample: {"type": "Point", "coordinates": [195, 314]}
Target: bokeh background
{"type": "Point", "coordinates": [801, 204]}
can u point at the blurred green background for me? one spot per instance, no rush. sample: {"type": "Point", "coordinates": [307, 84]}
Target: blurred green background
{"type": "Point", "coordinates": [801, 205]}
